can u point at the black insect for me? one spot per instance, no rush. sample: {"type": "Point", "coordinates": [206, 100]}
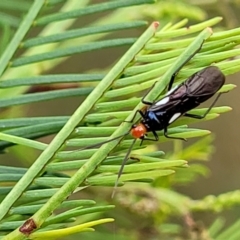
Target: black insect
{"type": "Point", "coordinates": [178, 101]}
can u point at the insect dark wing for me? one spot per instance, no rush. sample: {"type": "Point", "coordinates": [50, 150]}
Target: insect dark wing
{"type": "Point", "coordinates": [178, 101]}
{"type": "Point", "coordinates": [205, 83]}
{"type": "Point", "coordinates": [201, 85]}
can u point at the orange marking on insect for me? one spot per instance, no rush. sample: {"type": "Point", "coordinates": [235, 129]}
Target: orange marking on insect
{"type": "Point", "coordinates": [138, 131]}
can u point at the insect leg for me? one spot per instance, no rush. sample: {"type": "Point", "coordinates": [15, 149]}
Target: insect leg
{"type": "Point", "coordinates": [134, 116]}
{"type": "Point", "coordinates": [167, 136]}
{"type": "Point", "coordinates": [143, 99]}
{"type": "Point", "coordinates": [179, 68]}
{"type": "Point", "coordinates": [156, 138]}
{"type": "Point", "coordinates": [205, 114]}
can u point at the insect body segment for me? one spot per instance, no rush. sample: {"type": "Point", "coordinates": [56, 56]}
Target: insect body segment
{"type": "Point", "coordinates": [178, 101]}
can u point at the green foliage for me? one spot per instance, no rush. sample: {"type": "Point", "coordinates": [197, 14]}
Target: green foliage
{"type": "Point", "coordinates": [30, 196]}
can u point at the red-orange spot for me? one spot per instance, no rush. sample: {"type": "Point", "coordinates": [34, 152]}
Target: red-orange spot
{"type": "Point", "coordinates": [156, 24]}
{"type": "Point", "coordinates": [138, 131]}
{"type": "Point", "coordinates": [28, 227]}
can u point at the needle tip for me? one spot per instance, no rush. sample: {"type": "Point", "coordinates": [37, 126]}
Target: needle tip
{"type": "Point", "coordinates": [115, 187]}
{"type": "Point", "coordinates": [113, 192]}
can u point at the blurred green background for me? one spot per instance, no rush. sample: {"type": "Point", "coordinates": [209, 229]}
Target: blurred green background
{"type": "Point", "coordinates": [225, 161]}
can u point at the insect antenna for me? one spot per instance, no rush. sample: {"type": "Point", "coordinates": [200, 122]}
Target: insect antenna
{"type": "Point", "coordinates": [101, 143]}
{"type": "Point", "coordinates": [122, 167]}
